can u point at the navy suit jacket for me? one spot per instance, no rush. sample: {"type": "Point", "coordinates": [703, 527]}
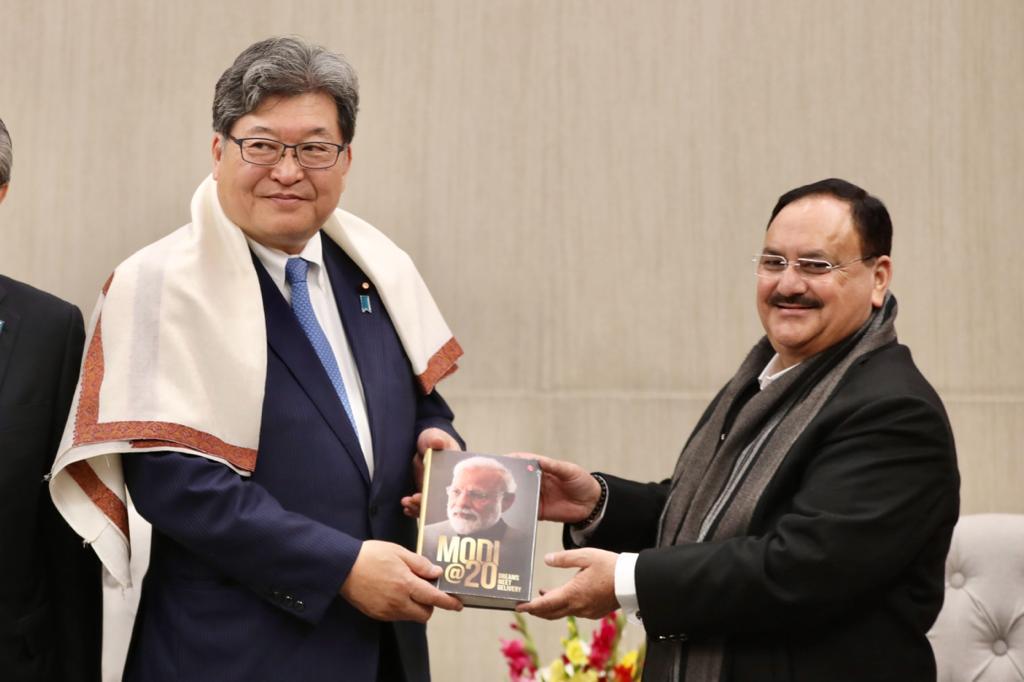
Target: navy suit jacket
{"type": "Point", "coordinates": [244, 573]}
{"type": "Point", "coordinates": [49, 584]}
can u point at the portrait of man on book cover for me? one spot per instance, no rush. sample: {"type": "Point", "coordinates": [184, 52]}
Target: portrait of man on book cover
{"type": "Point", "coordinates": [473, 515]}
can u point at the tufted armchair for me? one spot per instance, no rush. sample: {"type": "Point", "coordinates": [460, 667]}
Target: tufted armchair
{"type": "Point", "coordinates": [979, 634]}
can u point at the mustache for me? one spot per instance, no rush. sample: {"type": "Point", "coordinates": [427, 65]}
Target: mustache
{"type": "Point", "coordinates": [465, 511]}
{"type": "Point", "coordinates": [797, 299]}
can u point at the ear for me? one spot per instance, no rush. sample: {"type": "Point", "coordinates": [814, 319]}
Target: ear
{"type": "Point", "coordinates": [506, 501]}
{"type": "Point", "coordinates": [3, 191]}
{"type": "Point", "coordinates": [880, 284]}
{"type": "Point", "coordinates": [346, 160]}
{"type": "Point", "coordinates": [217, 149]}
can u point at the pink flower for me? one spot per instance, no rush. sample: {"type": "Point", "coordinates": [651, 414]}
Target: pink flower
{"type": "Point", "coordinates": [518, 659]}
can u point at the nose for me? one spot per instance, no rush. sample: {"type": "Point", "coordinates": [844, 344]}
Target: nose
{"type": "Point", "coordinates": [287, 171]}
{"type": "Point", "coordinates": [790, 282]}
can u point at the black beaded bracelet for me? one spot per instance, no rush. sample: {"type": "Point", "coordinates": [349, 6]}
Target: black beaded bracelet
{"type": "Point", "coordinates": [598, 508]}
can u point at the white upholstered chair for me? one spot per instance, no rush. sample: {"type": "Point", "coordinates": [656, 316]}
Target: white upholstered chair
{"type": "Point", "coordinates": [979, 634]}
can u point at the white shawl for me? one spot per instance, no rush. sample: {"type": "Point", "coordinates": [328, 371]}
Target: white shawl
{"type": "Point", "coordinates": [176, 359]}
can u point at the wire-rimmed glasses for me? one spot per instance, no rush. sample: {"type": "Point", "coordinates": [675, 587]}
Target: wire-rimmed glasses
{"type": "Point", "coordinates": [261, 151]}
{"type": "Point", "coordinates": [771, 266]}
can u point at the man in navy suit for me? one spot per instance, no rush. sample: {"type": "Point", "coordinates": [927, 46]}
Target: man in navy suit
{"type": "Point", "coordinates": [50, 595]}
{"type": "Point", "coordinates": [302, 571]}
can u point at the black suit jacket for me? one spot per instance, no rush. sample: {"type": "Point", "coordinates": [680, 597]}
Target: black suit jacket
{"type": "Point", "coordinates": [49, 584]}
{"type": "Point", "coordinates": [841, 573]}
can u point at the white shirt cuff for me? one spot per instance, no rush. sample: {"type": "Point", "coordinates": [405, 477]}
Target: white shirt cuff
{"type": "Point", "coordinates": [625, 585]}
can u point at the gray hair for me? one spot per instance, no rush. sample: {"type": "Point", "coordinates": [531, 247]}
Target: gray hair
{"type": "Point", "coordinates": [6, 154]}
{"type": "Point", "coordinates": [285, 66]}
{"type": "Point", "coordinates": [481, 462]}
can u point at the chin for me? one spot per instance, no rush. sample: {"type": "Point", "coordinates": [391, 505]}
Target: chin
{"type": "Point", "coordinates": [291, 235]}
{"type": "Point", "coordinates": [463, 528]}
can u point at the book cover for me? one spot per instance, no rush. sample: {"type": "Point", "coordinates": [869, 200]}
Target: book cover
{"type": "Point", "coordinates": [478, 522]}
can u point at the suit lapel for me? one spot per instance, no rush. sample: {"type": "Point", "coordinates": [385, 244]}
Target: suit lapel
{"type": "Point", "coordinates": [363, 331]}
{"type": "Point", "coordinates": [9, 333]}
{"type": "Point", "coordinates": [287, 340]}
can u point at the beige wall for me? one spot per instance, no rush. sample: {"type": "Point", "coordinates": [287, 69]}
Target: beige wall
{"type": "Point", "coordinates": [581, 183]}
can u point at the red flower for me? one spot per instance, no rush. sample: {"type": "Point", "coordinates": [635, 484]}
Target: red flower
{"type": "Point", "coordinates": [602, 641]}
{"type": "Point", "coordinates": [623, 673]}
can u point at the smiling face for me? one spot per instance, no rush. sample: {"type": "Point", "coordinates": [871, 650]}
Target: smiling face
{"type": "Point", "coordinates": [281, 206]}
{"type": "Point", "coordinates": [803, 317]}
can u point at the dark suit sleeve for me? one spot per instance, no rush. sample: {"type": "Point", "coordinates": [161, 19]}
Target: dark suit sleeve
{"type": "Point", "coordinates": [73, 569]}
{"type": "Point", "coordinates": [630, 521]}
{"type": "Point", "coordinates": [433, 411]}
{"type": "Point", "coordinates": [878, 490]}
{"type": "Point", "coordinates": [296, 563]}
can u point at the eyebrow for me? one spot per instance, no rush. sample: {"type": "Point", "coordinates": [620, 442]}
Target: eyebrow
{"type": "Point", "coordinates": [813, 253]}
{"type": "Point", "coordinates": [270, 131]}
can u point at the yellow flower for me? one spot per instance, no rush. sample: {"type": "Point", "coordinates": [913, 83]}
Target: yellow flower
{"type": "Point", "coordinates": [556, 671]}
{"type": "Point", "coordinates": [575, 652]}
{"type": "Point", "coordinates": [581, 676]}
{"type": "Point", "coordinates": [629, 660]}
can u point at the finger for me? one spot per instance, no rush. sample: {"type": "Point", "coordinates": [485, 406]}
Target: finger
{"type": "Point", "coordinates": [417, 612]}
{"type": "Point", "coordinates": [561, 469]}
{"type": "Point", "coordinates": [437, 439]}
{"type": "Point", "coordinates": [417, 470]}
{"type": "Point", "coordinates": [572, 558]}
{"type": "Point", "coordinates": [551, 606]}
{"type": "Point", "coordinates": [428, 595]}
{"type": "Point", "coordinates": [443, 441]}
{"type": "Point", "coordinates": [530, 455]}
{"type": "Point", "coordinates": [419, 565]}
{"type": "Point", "coordinates": [524, 455]}
{"type": "Point", "coordinates": [410, 507]}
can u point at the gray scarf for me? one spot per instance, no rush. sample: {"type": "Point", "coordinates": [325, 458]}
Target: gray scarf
{"type": "Point", "coordinates": [716, 485]}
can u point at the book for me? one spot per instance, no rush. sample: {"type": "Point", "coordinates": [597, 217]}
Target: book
{"type": "Point", "coordinates": [478, 522]}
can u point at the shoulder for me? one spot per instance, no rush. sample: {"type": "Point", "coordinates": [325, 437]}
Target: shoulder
{"type": "Point", "coordinates": [513, 534]}
{"type": "Point", "coordinates": [182, 242]}
{"type": "Point", "coordinates": [886, 404]}
{"type": "Point", "coordinates": [887, 373]}
{"type": "Point", "coordinates": [433, 530]}
{"type": "Point", "coordinates": [42, 306]}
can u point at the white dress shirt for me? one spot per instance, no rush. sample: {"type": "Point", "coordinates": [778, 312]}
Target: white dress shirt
{"type": "Point", "coordinates": [321, 295]}
{"type": "Point", "coordinates": [625, 565]}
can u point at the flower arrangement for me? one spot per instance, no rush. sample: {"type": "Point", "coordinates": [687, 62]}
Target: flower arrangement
{"type": "Point", "coordinates": [596, 661]}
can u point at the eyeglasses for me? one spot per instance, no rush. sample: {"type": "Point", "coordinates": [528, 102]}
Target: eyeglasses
{"type": "Point", "coordinates": [260, 151]}
{"type": "Point", "coordinates": [473, 495]}
{"type": "Point", "coordinates": [771, 267]}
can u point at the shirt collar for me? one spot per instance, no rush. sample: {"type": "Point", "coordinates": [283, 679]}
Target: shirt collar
{"type": "Point", "coordinates": [275, 260]}
{"type": "Point", "coordinates": [771, 372]}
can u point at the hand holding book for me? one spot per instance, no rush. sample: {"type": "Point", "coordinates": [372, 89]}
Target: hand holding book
{"type": "Point", "coordinates": [568, 492]}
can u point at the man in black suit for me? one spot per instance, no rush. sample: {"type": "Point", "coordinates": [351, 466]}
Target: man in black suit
{"type": "Point", "coordinates": [49, 584]}
{"type": "Point", "coordinates": [803, 534]}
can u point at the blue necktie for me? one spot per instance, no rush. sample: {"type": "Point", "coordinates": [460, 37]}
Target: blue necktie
{"type": "Point", "coordinates": [295, 272]}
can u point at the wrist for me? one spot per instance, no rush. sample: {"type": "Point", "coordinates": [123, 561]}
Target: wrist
{"type": "Point", "coordinates": [598, 507]}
